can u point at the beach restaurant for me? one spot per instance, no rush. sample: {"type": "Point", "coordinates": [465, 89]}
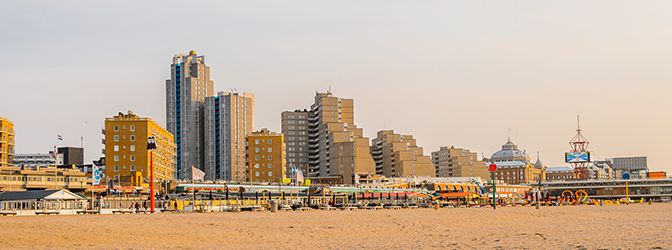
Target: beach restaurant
{"type": "Point", "coordinates": [35, 202]}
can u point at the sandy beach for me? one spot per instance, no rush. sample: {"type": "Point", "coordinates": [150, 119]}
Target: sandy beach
{"type": "Point", "coordinates": [635, 226]}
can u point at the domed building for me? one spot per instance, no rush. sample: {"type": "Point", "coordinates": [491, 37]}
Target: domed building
{"type": "Point", "coordinates": [514, 167]}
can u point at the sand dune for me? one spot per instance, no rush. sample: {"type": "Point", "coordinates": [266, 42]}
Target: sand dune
{"type": "Point", "coordinates": [636, 226]}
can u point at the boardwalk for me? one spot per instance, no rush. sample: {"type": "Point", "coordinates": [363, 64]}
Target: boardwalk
{"type": "Point", "coordinates": [639, 226]}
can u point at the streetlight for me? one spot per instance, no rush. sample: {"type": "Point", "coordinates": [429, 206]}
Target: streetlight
{"type": "Point", "coordinates": [151, 145]}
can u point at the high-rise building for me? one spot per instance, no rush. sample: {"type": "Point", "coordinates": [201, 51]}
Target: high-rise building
{"type": "Point", "coordinates": [125, 150]}
{"type": "Point", "coordinates": [336, 149]}
{"type": "Point", "coordinates": [295, 130]}
{"type": "Point", "coordinates": [265, 156]}
{"type": "Point", "coordinates": [458, 162]}
{"type": "Point", "coordinates": [72, 155]}
{"type": "Point", "coordinates": [398, 155]}
{"type": "Point", "coordinates": [186, 90]}
{"type": "Point", "coordinates": [229, 118]}
{"type": "Point", "coordinates": [6, 142]}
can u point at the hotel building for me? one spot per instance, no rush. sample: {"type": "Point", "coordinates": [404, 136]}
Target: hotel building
{"type": "Point", "coordinates": [459, 162]}
{"type": "Point", "coordinates": [229, 119]}
{"type": "Point", "coordinates": [6, 142]}
{"type": "Point", "coordinates": [186, 90]}
{"type": "Point", "coordinates": [397, 155]}
{"type": "Point", "coordinates": [127, 158]}
{"type": "Point", "coordinates": [514, 167]}
{"type": "Point", "coordinates": [265, 156]}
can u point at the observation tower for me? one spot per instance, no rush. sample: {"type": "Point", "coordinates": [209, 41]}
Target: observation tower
{"type": "Point", "coordinates": [579, 157]}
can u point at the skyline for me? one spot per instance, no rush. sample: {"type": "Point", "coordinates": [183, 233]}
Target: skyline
{"type": "Point", "coordinates": [459, 74]}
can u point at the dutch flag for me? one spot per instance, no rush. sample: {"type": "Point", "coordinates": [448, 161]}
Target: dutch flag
{"type": "Point", "coordinates": [60, 138]}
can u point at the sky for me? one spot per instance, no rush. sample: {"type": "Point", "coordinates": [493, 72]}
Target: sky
{"type": "Point", "coordinates": [450, 73]}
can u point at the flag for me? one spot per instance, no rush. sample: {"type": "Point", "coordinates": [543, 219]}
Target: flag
{"type": "Point", "coordinates": [60, 138]}
{"type": "Point", "coordinates": [356, 179]}
{"type": "Point", "coordinates": [95, 174]}
{"type": "Point", "coordinates": [197, 174]}
{"type": "Point", "coordinates": [299, 176]}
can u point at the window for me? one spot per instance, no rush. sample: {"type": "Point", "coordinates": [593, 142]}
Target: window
{"type": "Point", "coordinates": [132, 127]}
{"type": "Point", "coordinates": [132, 167]}
{"type": "Point", "coordinates": [270, 173]}
{"type": "Point", "coordinates": [132, 137]}
{"type": "Point", "coordinates": [116, 158]}
{"type": "Point", "coordinates": [116, 138]}
{"type": "Point", "coordinates": [132, 157]}
{"type": "Point", "coordinates": [269, 157]}
{"type": "Point", "coordinates": [256, 150]}
{"type": "Point", "coordinates": [257, 174]}
{"type": "Point", "coordinates": [256, 157]}
{"type": "Point", "coordinates": [270, 150]}
{"type": "Point", "coordinates": [116, 148]}
{"type": "Point", "coordinates": [256, 141]}
{"type": "Point", "coordinates": [116, 128]}
{"type": "Point", "coordinates": [270, 165]}
{"type": "Point", "coordinates": [116, 168]}
{"type": "Point", "coordinates": [270, 141]}
{"type": "Point", "coordinates": [132, 147]}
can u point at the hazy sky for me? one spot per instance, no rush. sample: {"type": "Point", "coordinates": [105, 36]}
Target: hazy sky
{"type": "Point", "coordinates": [447, 72]}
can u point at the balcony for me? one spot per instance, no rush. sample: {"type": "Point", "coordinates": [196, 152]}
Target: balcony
{"type": "Point", "coordinates": [103, 131]}
{"type": "Point", "coordinates": [103, 141]}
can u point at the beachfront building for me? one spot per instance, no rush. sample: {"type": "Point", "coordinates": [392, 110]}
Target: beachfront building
{"type": "Point", "coordinates": [41, 178]}
{"type": "Point", "coordinates": [337, 148]}
{"type": "Point", "coordinates": [72, 155]}
{"type": "Point", "coordinates": [229, 118]}
{"type": "Point", "coordinates": [459, 162]}
{"type": "Point", "coordinates": [559, 173]}
{"type": "Point", "coordinates": [186, 90]}
{"type": "Point", "coordinates": [6, 142]}
{"type": "Point", "coordinates": [295, 129]}
{"type": "Point", "coordinates": [265, 156]}
{"type": "Point", "coordinates": [38, 160]}
{"type": "Point", "coordinates": [126, 154]}
{"type": "Point", "coordinates": [636, 166]}
{"type": "Point", "coordinates": [514, 167]}
{"type": "Point", "coordinates": [398, 155]}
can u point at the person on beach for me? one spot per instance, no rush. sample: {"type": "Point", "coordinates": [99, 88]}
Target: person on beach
{"type": "Point", "coordinates": [131, 206]}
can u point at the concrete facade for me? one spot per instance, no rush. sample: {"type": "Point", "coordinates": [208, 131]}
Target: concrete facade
{"type": "Point", "coordinates": [459, 162]}
{"type": "Point", "coordinates": [229, 119]}
{"type": "Point", "coordinates": [397, 155]}
{"type": "Point", "coordinates": [295, 130]}
{"type": "Point", "coordinates": [186, 90]}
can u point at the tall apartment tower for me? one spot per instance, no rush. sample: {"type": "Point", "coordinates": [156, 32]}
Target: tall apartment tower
{"type": "Point", "coordinates": [398, 155]}
{"type": "Point", "coordinates": [229, 119]}
{"type": "Point", "coordinates": [295, 130]}
{"type": "Point", "coordinates": [6, 142]}
{"type": "Point", "coordinates": [186, 90]}
{"type": "Point", "coordinates": [458, 162]}
{"type": "Point", "coordinates": [336, 147]}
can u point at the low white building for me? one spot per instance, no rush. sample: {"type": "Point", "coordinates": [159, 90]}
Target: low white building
{"type": "Point", "coordinates": [34, 160]}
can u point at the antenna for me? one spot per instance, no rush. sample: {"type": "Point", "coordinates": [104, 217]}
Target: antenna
{"type": "Point", "coordinates": [578, 124]}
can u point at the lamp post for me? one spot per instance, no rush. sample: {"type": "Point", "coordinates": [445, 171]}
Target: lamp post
{"type": "Point", "coordinates": [151, 145]}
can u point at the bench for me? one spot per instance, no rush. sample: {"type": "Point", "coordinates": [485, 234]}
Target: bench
{"type": "Point", "coordinates": [169, 210]}
{"type": "Point", "coordinates": [328, 208]}
{"type": "Point", "coordinates": [47, 212]}
{"type": "Point", "coordinates": [303, 209]}
{"type": "Point", "coordinates": [412, 207]}
{"type": "Point", "coordinates": [122, 211]}
{"type": "Point", "coordinates": [393, 207]}
{"type": "Point", "coordinates": [349, 208]}
{"type": "Point", "coordinates": [8, 213]}
{"type": "Point", "coordinates": [88, 212]}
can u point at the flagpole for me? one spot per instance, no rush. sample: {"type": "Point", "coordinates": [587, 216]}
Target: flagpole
{"type": "Point", "coordinates": [193, 190]}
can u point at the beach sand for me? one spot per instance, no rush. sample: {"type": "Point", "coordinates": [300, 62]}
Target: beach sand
{"type": "Point", "coordinates": [635, 226]}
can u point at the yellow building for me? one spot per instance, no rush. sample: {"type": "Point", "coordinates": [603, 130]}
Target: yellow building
{"type": "Point", "coordinates": [42, 178]}
{"type": "Point", "coordinates": [265, 156]}
{"type": "Point", "coordinates": [127, 160]}
{"type": "Point", "coordinates": [459, 162]}
{"type": "Point", "coordinates": [6, 142]}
